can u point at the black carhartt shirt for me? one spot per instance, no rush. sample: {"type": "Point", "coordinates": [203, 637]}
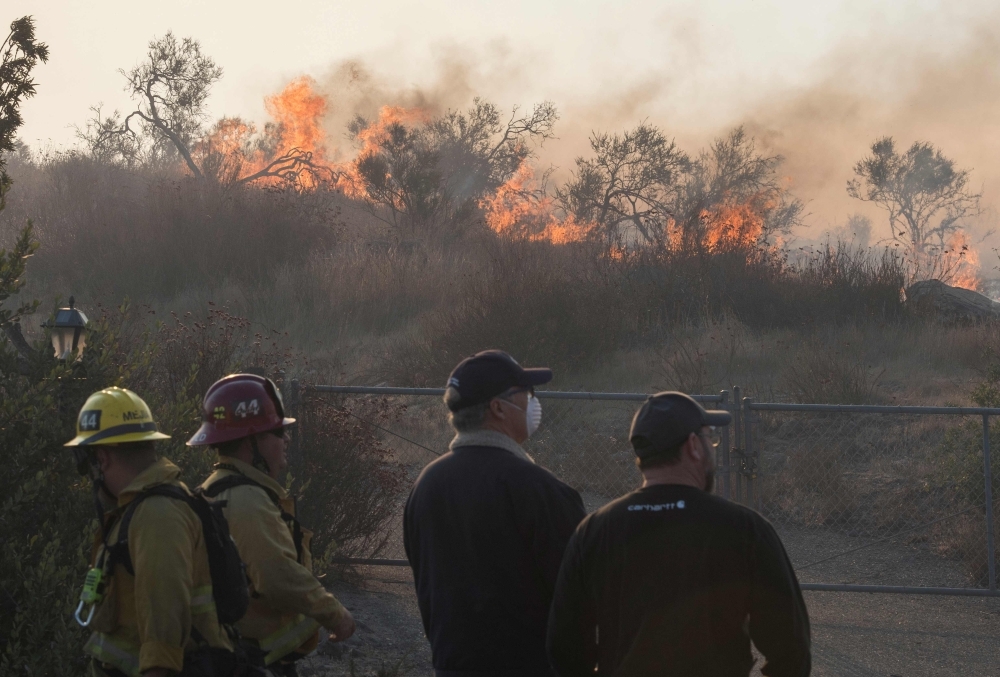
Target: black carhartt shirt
{"type": "Point", "coordinates": [670, 580]}
{"type": "Point", "coordinates": [485, 533]}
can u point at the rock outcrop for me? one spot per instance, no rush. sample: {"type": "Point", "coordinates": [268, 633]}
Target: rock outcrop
{"type": "Point", "coordinates": [950, 304]}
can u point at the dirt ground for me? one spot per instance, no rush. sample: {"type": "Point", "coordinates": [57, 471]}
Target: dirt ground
{"type": "Point", "coordinates": [853, 634]}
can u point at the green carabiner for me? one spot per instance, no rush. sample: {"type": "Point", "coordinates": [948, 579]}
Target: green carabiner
{"type": "Point", "coordinates": [90, 596]}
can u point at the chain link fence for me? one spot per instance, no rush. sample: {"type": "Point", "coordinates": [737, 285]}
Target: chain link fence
{"type": "Point", "coordinates": [878, 499]}
{"type": "Point", "coordinates": [874, 499]}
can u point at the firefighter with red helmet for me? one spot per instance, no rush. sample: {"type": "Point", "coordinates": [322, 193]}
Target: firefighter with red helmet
{"type": "Point", "coordinates": [244, 421]}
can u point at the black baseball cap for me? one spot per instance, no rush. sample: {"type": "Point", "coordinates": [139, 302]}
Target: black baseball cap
{"type": "Point", "coordinates": [485, 375]}
{"type": "Point", "coordinates": [666, 419]}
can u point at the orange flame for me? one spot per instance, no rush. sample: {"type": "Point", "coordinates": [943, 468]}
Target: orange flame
{"type": "Point", "coordinates": [734, 225]}
{"type": "Point", "coordinates": [234, 150]}
{"type": "Point", "coordinates": [225, 152]}
{"type": "Point", "coordinates": [371, 139]}
{"type": "Point", "coordinates": [298, 111]}
{"type": "Point", "coordinates": [960, 263]}
{"type": "Point", "coordinates": [516, 208]}
{"type": "Point", "coordinates": [521, 208]}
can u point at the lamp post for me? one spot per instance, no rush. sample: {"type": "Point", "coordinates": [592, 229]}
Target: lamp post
{"type": "Point", "coordinates": [69, 332]}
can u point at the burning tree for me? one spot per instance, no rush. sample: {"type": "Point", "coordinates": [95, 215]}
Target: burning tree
{"type": "Point", "coordinates": [733, 197]}
{"type": "Point", "coordinates": [396, 173]}
{"type": "Point", "coordinates": [632, 183]}
{"type": "Point", "coordinates": [172, 86]}
{"type": "Point", "coordinates": [641, 189]}
{"type": "Point", "coordinates": [479, 151]}
{"type": "Point", "coordinates": [413, 170]}
{"type": "Point", "coordinates": [927, 199]}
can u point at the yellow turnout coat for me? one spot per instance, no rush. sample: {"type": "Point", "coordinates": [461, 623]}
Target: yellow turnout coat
{"type": "Point", "coordinates": [144, 621]}
{"type": "Point", "coordinates": [287, 603]}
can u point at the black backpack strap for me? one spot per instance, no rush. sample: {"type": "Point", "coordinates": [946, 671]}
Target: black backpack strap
{"type": "Point", "coordinates": [238, 480]}
{"type": "Point", "coordinates": [227, 570]}
{"type": "Point", "coordinates": [231, 481]}
{"type": "Point", "coordinates": [118, 552]}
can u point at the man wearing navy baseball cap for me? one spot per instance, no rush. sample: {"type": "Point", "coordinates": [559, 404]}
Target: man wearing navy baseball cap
{"type": "Point", "coordinates": [485, 528]}
{"type": "Point", "coordinates": [672, 579]}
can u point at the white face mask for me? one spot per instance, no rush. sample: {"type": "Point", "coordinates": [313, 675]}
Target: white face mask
{"type": "Point", "coordinates": [532, 415]}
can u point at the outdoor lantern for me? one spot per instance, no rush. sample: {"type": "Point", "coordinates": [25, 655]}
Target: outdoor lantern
{"type": "Point", "coordinates": [69, 332]}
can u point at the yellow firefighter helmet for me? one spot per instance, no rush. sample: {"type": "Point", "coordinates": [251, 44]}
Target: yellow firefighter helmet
{"type": "Point", "coordinates": [114, 416]}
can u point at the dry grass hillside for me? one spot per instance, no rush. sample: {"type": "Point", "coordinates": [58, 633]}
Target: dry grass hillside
{"type": "Point", "coordinates": [371, 305]}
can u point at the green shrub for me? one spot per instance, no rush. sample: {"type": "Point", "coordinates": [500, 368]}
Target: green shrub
{"type": "Point", "coordinates": [47, 516]}
{"type": "Point", "coordinates": [350, 484]}
{"type": "Point", "coordinates": [959, 470]}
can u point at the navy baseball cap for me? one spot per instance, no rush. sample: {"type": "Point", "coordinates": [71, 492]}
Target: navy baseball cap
{"type": "Point", "coordinates": [666, 419]}
{"type": "Point", "coordinates": [485, 375]}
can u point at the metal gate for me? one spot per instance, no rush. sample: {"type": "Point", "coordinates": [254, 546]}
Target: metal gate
{"type": "Point", "coordinates": [865, 498]}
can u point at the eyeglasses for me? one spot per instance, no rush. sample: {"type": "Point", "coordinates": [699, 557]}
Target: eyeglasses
{"type": "Point", "coordinates": [278, 432]}
{"type": "Point", "coordinates": [713, 435]}
{"type": "Point", "coordinates": [510, 392]}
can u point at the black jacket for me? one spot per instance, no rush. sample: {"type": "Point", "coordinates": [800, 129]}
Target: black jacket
{"type": "Point", "coordinates": [671, 580]}
{"type": "Point", "coordinates": [485, 533]}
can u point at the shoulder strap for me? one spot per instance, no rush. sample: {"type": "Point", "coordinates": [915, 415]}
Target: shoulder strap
{"type": "Point", "coordinates": [238, 480]}
{"type": "Point", "coordinates": [118, 552]}
{"type": "Point", "coordinates": [231, 481]}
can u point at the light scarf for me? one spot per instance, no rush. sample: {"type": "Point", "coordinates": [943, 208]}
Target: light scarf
{"type": "Point", "coordinates": [490, 438]}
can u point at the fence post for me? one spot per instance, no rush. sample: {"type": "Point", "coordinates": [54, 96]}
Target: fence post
{"type": "Point", "coordinates": [723, 461]}
{"type": "Point", "coordinates": [750, 464]}
{"type": "Point", "coordinates": [988, 474]}
{"type": "Point", "coordinates": [737, 448]}
{"type": "Point", "coordinates": [295, 411]}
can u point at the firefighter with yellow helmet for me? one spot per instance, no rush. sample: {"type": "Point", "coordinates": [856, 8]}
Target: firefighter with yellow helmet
{"type": "Point", "coordinates": [244, 421]}
{"type": "Point", "coordinates": [148, 595]}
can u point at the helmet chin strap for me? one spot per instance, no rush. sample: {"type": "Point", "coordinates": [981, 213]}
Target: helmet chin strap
{"type": "Point", "coordinates": [97, 484]}
{"type": "Point", "coordinates": [258, 461]}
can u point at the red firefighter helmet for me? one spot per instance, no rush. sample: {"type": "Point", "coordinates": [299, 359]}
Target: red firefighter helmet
{"type": "Point", "coordinates": [238, 406]}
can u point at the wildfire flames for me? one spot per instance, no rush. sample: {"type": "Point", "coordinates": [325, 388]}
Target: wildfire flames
{"type": "Point", "coordinates": [734, 225]}
{"type": "Point", "coordinates": [958, 264]}
{"type": "Point", "coordinates": [298, 111]}
{"type": "Point", "coordinates": [372, 137]}
{"type": "Point", "coordinates": [519, 207]}
{"type": "Point", "coordinates": [234, 151]}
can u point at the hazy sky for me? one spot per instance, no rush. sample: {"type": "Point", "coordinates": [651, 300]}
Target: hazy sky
{"type": "Point", "coordinates": [712, 57]}
{"type": "Point", "coordinates": [782, 66]}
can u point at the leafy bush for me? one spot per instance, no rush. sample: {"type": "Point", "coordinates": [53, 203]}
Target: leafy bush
{"type": "Point", "coordinates": [960, 470]}
{"type": "Point", "coordinates": [350, 482]}
{"type": "Point", "coordinates": [542, 304]}
{"type": "Point", "coordinates": [830, 374]}
{"type": "Point", "coordinates": [153, 237]}
{"type": "Point", "coordinates": [47, 518]}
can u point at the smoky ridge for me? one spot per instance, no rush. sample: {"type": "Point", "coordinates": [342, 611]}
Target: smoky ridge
{"type": "Point", "coordinates": [867, 86]}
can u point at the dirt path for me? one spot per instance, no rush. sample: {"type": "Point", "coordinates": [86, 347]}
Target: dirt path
{"type": "Point", "coordinates": [904, 635]}
{"type": "Point", "coordinates": [389, 641]}
{"type": "Point", "coordinates": [854, 635]}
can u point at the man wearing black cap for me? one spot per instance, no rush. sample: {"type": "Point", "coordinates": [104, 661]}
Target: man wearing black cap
{"type": "Point", "coordinates": [485, 528]}
{"type": "Point", "coordinates": [672, 580]}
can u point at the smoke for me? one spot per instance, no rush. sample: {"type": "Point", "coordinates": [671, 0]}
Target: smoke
{"type": "Point", "coordinates": [354, 88]}
{"type": "Point", "coordinates": [878, 82]}
{"type": "Point", "coordinates": [870, 90]}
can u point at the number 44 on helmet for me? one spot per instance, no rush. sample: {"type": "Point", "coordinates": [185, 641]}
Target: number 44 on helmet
{"type": "Point", "coordinates": [239, 406]}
